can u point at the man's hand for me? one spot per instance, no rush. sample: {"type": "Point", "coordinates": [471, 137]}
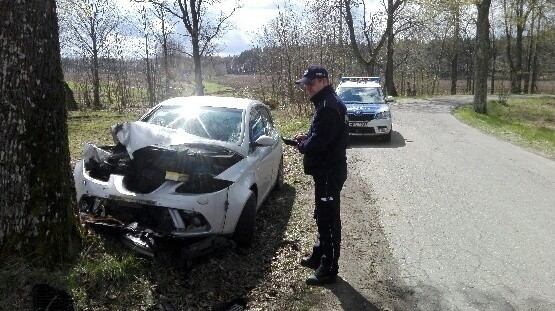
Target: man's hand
{"type": "Point", "coordinates": [300, 137]}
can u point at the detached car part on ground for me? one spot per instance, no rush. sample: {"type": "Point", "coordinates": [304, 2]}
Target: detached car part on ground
{"type": "Point", "coordinates": [192, 168]}
{"type": "Point", "coordinates": [369, 113]}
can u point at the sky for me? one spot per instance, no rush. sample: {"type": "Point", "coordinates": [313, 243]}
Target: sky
{"type": "Point", "coordinates": [247, 20]}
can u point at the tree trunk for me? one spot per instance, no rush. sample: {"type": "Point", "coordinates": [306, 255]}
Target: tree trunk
{"type": "Point", "coordinates": [481, 60]}
{"type": "Point", "coordinates": [370, 64]}
{"type": "Point", "coordinates": [96, 78]}
{"type": "Point", "coordinates": [166, 58]}
{"type": "Point", "coordinates": [455, 59]}
{"type": "Point", "coordinates": [389, 81]}
{"type": "Point", "coordinates": [493, 62]}
{"type": "Point", "coordinates": [149, 79]}
{"type": "Point", "coordinates": [534, 68]}
{"type": "Point", "coordinates": [517, 87]}
{"type": "Point", "coordinates": [37, 205]}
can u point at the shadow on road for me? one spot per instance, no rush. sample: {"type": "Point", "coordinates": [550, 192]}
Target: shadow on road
{"type": "Point", "coordinates": [397, 141]}
{"type": "Point", "coordinates": [349, 297]}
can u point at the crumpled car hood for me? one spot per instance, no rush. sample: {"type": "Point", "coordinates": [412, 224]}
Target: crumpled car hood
{"type": "Point", "coordinates": [136, 135]}
{"type": "Point", "coordinates": [149, 155]}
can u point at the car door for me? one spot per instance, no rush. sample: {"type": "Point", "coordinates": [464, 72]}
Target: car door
{"type": "Point", "coordinates": [261, 154]}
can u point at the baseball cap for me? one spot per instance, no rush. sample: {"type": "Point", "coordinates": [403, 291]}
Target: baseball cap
{"type": "Point", "coordinates": [313, 72]}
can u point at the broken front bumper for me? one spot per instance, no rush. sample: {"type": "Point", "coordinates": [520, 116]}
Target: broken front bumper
{"type": "Point", "coordinates": [163, 210]}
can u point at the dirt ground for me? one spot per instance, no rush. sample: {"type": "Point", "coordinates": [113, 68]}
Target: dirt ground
{"type": "Point", "coordinates": [269, 276]}
{"type": "Point", "coordinates": [368, 279]}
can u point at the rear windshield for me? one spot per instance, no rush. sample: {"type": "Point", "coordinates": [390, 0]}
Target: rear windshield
{"type": "Point", "coordinates": [207, 122]}
{"type": "Point", "coordinates": [367, 95]}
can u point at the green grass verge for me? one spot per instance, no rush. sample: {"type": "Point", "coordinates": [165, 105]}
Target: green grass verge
{"type": "Point", "coordinates": [288, 124]}
{"type": "Point", "coordinates": [211, 88]}
{"type": "Point", "coordinates": [527, 122]}
{"type": "Point", "coordinates": [93, 126]}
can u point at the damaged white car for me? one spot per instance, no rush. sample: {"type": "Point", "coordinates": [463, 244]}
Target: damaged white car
{"type": "Point", "coordinates": [190, 168]}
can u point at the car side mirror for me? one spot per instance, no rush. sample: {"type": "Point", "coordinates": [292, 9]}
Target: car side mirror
{"type": "Point", "coordinates": [265, 140]}
{"type": "Point", "coordinates": [389, 99]}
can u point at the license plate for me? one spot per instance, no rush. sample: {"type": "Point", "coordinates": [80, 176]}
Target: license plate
{"type": "Point", "coordinates": [357, 124]}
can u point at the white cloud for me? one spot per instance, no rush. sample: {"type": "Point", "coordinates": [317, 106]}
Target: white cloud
{"type": "Point", "coordinates": [247, 21]}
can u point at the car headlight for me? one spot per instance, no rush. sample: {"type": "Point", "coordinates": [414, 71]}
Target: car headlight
{"type": "Point", "coordinates": [202, 183]}
{"type": "Point", "coordinates": [383, 115]}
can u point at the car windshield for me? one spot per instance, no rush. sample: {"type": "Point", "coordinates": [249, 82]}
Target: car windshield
{"type": "Point", "coordinates": [207, 122]}
{"type": "Point", "coordinates": [370, 95]}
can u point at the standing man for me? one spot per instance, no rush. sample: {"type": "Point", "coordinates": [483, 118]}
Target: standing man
{"type": "Point", "coordinates": [324, 150]}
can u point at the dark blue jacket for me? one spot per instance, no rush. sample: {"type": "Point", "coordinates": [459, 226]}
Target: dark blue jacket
{"type": "Point", "coordinates": [325, 147]}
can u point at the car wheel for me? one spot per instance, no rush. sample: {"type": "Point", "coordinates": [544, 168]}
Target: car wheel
{"type": "Point", "coordinates": [387, 137]}
{"type": "Point", "coordinates": [244, 231]}
{"type": "Point", "coordinates": [280, 176]}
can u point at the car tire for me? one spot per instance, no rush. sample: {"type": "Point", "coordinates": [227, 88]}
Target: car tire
{"type": "Point", "coordinates": [280, 176]}
{"type": "Point", "coordinates": [387, 137]}
{"type": "Point", "coordinates": [244, 231]}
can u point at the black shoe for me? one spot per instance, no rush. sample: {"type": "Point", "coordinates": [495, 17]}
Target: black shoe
{"type": "Point", "coordinates": [310, 262]}
{"type": "Point", "coordinates": [322, 277]}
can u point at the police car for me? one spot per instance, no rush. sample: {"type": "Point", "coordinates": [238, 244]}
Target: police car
{"type": "Point", "coordinates": [368, 111]}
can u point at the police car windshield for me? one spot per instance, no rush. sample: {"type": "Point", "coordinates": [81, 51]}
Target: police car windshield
{"type": "Point", "coordinates": [365, 95]}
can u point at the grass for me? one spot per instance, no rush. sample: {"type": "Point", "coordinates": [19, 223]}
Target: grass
{"type": "Point", "coordinates": [103, 272]}
{"type": "Point", "coordinates": [211, 88]}
{"type": "Point", "coordinates": [93, 126]}
{"type": "Point", "coordinates": [528, 122]}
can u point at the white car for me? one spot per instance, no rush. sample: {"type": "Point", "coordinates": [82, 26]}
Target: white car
{"type": "Point", "coordinates": [369, 113]}
{"type": "Point", "coordinates": [190, 168]}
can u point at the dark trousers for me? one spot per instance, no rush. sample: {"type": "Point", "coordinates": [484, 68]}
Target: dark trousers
{"type": "Point", "coordinates": [327, 190]}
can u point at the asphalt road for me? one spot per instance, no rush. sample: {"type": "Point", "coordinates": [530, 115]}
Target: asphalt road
{"type": "Point", "coordinates": [469, 218]}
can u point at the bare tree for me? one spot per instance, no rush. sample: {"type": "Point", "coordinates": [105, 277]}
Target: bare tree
{"type": "Point", "coordinates": [535, 41]}
{"type": "Point", "coordinates": [89, 24]}
{"type": "Point", "coordinates": [373, 44]}
{"type": "Point", "coordinates": [481, 57]}
{"type": "Point", "coordinates": [201, 28]}
{"type": "Point", "coordinates": [37, 205]}
{"type": "Point", "coordinates": [151, 91]}
{"type": "Point", "coordinates": [287, 54]}
{"type": "Point", "coordinates": [163, 37]}
{"type": "Point", "coordinates": [516, 16]}
{"type": "Point", "coordinates": [392, 8]}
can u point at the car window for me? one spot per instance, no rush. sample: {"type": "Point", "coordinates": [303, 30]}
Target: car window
{"type": "Point", "coordinates": [258, 125]}
{"type": "Point", "coordinates": [270, 128]}
{"type": "Point", "coordinates": [361, 94]}
{"type": "Point", "coordinates": [207, 122]}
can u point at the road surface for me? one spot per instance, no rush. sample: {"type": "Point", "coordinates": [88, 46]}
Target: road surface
{"type": "Point", "coordinates": [467, 220]}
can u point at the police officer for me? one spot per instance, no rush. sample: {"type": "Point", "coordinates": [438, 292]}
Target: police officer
{"type": "Point", "coordinates": [324, 149]}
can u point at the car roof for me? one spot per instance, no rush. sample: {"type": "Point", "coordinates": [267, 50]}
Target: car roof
{"type": "Point", "coordinates": [211, 101]}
